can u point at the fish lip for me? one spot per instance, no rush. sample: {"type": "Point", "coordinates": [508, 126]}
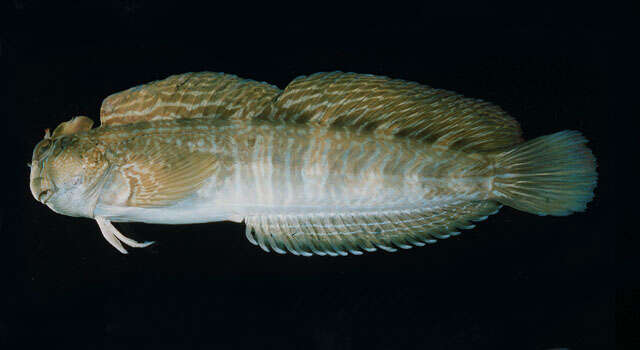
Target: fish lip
{"type": "Point", "coordinates": [47, 194]}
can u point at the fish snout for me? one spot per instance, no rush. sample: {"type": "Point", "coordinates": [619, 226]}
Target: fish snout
{"type": "Point", "coordinates": [41, 189]}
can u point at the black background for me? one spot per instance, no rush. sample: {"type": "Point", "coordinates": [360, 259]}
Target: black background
{"type": "Point", "coordinates": [515, 281]}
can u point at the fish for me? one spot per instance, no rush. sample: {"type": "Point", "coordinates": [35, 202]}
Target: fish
{"type": "Point", "coordinates": [333, 164]}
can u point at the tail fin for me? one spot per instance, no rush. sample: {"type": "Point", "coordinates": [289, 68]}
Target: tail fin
{"type": "Point", "coordinates": [549, 175]}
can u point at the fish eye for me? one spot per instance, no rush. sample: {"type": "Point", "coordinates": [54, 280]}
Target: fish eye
{"type": "Point", "coordinates": [45, 145]}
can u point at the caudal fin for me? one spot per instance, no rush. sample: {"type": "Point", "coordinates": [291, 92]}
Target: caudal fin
{"type": "Point", "coordinates": [549, 175]}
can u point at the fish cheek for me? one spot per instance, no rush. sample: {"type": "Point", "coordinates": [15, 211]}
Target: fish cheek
{"type": "Point", "coordinates": [64, 168]}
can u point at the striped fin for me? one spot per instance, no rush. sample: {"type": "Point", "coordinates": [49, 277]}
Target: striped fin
{"type": "Point", "coordinates": [386, 106]}
{"type": "Point", "coordinates": [190, 95]}
{"type": "Point", "coordinates": [158, 172]}
{"type": "Point", "coordinates": [343, 234]}
{"type": "Point", "coordinates": [396, 107]}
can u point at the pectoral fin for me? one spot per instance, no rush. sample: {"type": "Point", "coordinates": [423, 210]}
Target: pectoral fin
{"type": "Point", "coordinates": [159, 173]}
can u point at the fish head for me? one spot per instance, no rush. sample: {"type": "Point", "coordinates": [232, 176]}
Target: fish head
{"type": "Point", "coordinates": [66, 171]}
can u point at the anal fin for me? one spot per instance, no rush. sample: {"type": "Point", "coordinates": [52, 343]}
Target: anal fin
{"type": "Point", "coordinates": [352, 233]}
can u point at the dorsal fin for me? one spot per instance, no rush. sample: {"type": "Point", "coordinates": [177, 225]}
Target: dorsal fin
{"type": "Point", "coordinates": [385, 106]}
{"type": "Point", "coordinates": [190, 95]}
{"type": "Point", "coordinates": [396, 107]}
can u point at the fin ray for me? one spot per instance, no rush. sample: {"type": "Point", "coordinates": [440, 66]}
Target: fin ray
{"type": "Point", "coordinates": [395, 107]}
{"type": "Point", "coordinates": [364, 102]}
{"type": "Point", "coordinates": [190, 95]}
{"type": "Point", "coordinates": [352, 233]}
{"type": "Point", "coordinates": [160, 173]}
{"type": "Point", "coordinates": [550, 175]}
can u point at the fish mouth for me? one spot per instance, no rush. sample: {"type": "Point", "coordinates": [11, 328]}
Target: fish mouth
{"type": "Point", "coordinates": [44, 196]}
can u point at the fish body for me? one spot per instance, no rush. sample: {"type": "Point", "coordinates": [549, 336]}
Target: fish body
{"type": "Point", "coordinates": [338, 163]}
{"type": "Point", "coordinates": [274, 168]}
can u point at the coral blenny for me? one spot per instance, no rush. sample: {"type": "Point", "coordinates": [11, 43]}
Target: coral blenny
{"type": "Point", "coordinates": [334, 164]}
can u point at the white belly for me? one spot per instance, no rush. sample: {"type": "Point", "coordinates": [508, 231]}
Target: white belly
{"type": "Point", "coordinates": [235, 201]}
